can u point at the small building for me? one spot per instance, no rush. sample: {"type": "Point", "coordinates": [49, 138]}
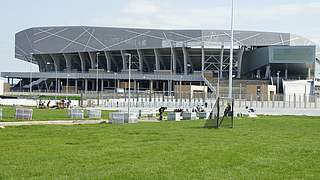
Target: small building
{"type": "Point", "coordinates": [261, 92]}
{"type": "Point", "coordinates": [190, 91]}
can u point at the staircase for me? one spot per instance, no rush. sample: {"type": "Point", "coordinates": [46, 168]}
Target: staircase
{"type": "Point", "coordinates": [34, 83]}
{"type": "Point", "coordinates": [207, 82]}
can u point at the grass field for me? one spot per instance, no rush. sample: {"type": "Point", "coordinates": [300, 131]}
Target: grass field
{"type": "Point", "coordinates": [44, 114]}
{"type": "Point", "coordinates": [263, 148]}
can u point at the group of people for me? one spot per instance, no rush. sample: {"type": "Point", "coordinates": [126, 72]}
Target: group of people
{"type": "Point", "coordinates": [59, 104]}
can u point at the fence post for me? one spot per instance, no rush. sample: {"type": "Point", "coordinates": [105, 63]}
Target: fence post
{"type": "Point", "coordinates": [304, 101]}
{"type": "Point", "coordinates": [273, 101]}
{"type": "Point", "coordinates": [284, 101]}
{"type": "Point", "coordinates": [294, 100]}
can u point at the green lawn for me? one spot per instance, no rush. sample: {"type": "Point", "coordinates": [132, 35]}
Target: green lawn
{"type": "Point", "coordinates": [44, 114]}
{"type": "Point", "coordinates": [263, 148]}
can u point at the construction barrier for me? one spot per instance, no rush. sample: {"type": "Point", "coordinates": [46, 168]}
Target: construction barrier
{"type": "Point", "coordinates": [22, 113]}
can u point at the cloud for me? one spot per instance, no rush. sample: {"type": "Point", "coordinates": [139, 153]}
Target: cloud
{"type": "Point", "coordinates": [297, 18]}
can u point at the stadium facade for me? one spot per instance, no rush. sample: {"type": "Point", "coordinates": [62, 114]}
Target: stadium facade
{"type": "Point", "coordinates": [76, 56]}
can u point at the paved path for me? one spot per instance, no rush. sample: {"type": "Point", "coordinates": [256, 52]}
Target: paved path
{"type": "Point", "coordinates": [66, 122]}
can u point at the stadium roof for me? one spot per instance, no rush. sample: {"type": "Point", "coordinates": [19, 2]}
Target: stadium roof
{"type": "Point", "coordinates": [68, 39]}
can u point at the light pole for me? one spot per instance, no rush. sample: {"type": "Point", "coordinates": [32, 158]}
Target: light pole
{"type": "Point", "coordinates": [129, 85]}
{"type": "Point", "coordinates": [97, 80]}
{"type": "Point", "coordinates": [231, 50]}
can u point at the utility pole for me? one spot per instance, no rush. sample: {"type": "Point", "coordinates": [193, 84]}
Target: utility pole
{"type": "Point", "coordinates": [231, 50]}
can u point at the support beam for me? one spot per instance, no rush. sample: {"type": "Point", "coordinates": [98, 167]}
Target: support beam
{"type": "Point", "coordinates": [68, 62]}
{"type": "Point", "coordinates": [82, 60]}
{"type": "Point", "coordinates": [109, 59]}
{"type": "Point", "coordinates": [185, 60]}
{"type": "Point", "coordinates": [240, 55]}
{"type": "Point", "coordinates": [57, 61]}
{"type": "Point", "coordinates": [174, 60]}
{"type": "Point", "coordinates": [258, 74]}
{"type": "Point", "coordinates": [42, 63]}
{"type": "Point", "coordinates": [93, 61]}
{"type": "Point", "coordinates": [141, 60]}
{"type": "Point", "coordinates": [124, 60]}
{"type": "Point", "coordinates": [268, 72]}
{"type": "Point", "coordinates": [157, 58]}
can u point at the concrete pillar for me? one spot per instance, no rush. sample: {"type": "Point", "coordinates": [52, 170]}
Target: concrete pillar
{"type": "Point", "coordinates": [93, 87]}
{"type": "Point", "coordinates": [67, 85]}
{"type": "Point", "coordinates": [268, 73]}
{"type": "Point", "coordinates": [258, 74]}
{"type": "Point", "coordinates": [85, 85]}
{"type": "Point", "coordinates": [102, 85]}
{"type": "Point", "coordinates": [59, 85]}
{"type": "Point", "coordinates": [151, 86]}
{"type": "Point", "coordinates": [76, 85]}
{"type": "Point", "coordinates": [309, 72]}
{"type": "Point", "coordinates": [286, 73]}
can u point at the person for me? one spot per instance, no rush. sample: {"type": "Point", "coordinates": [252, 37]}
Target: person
{"type": "Point", "coordinates": [69, 103]}
{"type": "Point", "coordinates": [227, 110]}
{"type": "Point", "coordinates": [48, 104]}
{"type": "Point", "coordinates": [161, 111]}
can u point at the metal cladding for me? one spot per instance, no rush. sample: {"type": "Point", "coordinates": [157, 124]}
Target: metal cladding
{"type": "Point", "coordinates": [68, 39]}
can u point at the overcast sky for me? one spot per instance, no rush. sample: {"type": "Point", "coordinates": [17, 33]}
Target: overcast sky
{"type": "Point", "coordinates": [294, 16]}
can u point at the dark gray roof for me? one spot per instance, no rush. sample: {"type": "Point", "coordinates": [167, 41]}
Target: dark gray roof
{"type": "Point", "coordinates": [66, 39]}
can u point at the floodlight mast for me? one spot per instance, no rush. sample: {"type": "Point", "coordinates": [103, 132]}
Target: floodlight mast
{"type": "Point", "coordinates": [231, 50]}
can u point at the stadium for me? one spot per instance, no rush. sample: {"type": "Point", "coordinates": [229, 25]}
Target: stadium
{"type": "Point", "coordinates": [81, 59]}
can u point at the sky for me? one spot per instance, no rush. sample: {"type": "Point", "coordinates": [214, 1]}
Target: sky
{"type": "Point", "coordinates": [292, 16]}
